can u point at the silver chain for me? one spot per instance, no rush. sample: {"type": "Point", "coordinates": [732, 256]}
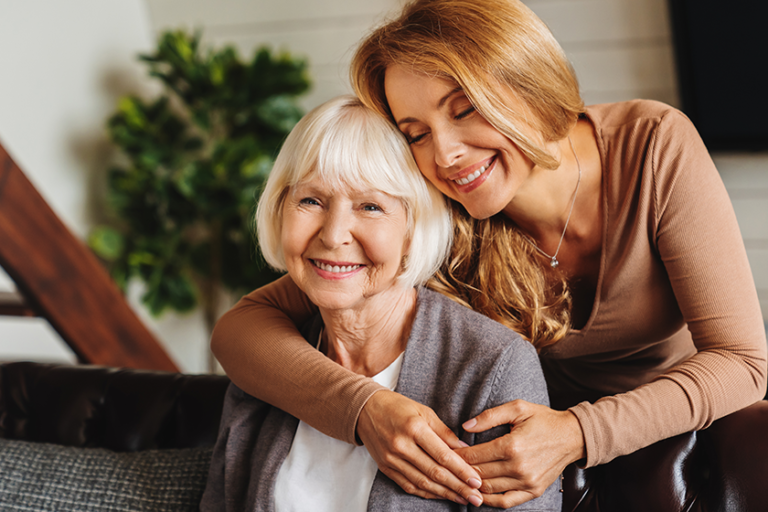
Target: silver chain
{"type": "Point", "coordinates": [553, 259]}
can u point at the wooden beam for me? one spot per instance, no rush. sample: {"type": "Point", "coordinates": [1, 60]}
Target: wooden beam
{"type": "Point", "coordinates": [13, 304]}
{"type": "Point", "coordinates": [65, 283]}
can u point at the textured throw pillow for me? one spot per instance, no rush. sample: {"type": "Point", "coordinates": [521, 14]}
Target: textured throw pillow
{"type": "Point", "coordinates": [47, 477]}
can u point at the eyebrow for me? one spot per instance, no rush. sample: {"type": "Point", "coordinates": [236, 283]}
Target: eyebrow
{"type": "Point", "coordinates": [439, 105]}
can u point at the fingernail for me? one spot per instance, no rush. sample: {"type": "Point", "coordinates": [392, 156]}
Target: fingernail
{"type": "Point", "coordinates": [461, 501]}
{"type": "Point", "coordinates": [463, 444]}
{"type": "Point", "coordinates": [474, 483]}
{"type": "Point", "coordinates": [476, 500]}
{"type": "Point", "coordinates": [471, 423]}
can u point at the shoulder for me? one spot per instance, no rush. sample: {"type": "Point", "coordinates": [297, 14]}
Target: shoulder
{"type": "Point", "coordinates": [645, 138]}
{"type": "Point", "coordinates": [466, 337]}
{"type": "Point", "coordinates": [456, 320]}
{"type": "Point", "coordinates": [637, 125]}
{"type": "Point", "coordinates": [488, 363]}
{"type": "Point", "coordinates": [610, 116]}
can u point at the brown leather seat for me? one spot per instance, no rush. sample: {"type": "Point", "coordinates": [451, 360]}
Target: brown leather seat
{"type": "Point", "coordinates": [723, 468]}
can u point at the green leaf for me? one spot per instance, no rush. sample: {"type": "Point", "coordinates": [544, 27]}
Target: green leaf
{"type": "Point", "coordinates": [280, 112]}
{"type": "Point", "coordinates": [106, 242]}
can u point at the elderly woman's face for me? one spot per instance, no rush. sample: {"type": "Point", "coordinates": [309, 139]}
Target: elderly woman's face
{"type": "Point", "coordinates": [342, 247]}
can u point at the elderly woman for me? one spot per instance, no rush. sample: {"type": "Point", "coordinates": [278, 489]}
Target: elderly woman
{"type": "Point", "coordinates": [347, 214]}
{"type": "Point", "coordinates": [603, 234]}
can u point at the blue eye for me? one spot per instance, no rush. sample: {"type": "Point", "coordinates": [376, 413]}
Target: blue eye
{"type": "Point", "coordinates": [309, 200]}
{"type": "Point", "coordinates": [370, 207]}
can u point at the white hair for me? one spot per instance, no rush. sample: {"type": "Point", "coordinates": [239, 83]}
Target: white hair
{"type": "Point", "coordinates": [347, 145]}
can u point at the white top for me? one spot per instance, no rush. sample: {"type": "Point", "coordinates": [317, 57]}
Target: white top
{"type": "Point", "coordinates": [324, 474]}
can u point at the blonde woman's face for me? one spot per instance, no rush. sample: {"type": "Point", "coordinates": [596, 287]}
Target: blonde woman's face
{"type": "Point", "coordinates": [455, 148]}
{"type": "Point", "coordinates": [343, 247]}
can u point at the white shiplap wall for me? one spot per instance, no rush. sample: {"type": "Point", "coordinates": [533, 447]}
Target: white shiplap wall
{"type": "Point", "coordinates": [325, 32]}
{"type": "Point", "coordinates": [621, 49]}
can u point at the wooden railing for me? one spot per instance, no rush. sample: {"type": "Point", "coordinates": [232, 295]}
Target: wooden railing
{"type": "Point", "coordinates": [60, 279]}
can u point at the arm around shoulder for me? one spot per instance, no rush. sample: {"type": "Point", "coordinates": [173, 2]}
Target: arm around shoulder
{"type": "Point", "coordinates": [259, 346]}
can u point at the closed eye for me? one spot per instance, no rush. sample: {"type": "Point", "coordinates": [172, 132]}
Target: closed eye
{"type": "Point", "coordinates": [464, 113]}
{"type": "Point", "coordinates": [415, 139]}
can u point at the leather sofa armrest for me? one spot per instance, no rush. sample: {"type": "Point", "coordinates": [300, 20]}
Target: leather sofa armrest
{"type": "Point", "coordinates": [721, 468]}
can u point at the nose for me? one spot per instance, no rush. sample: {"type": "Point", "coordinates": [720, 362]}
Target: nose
{"type": "Point", "coordinates": [337, 228]}
{"type": "Point", "coordinates": [448, 147]}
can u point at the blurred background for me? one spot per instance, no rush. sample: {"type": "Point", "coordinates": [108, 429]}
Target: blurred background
{"type": "Point", "coordinates": [64, 65]}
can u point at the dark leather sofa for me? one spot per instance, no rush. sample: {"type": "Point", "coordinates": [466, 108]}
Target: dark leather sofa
{"type": "Point", "coordinates": [723, 468]}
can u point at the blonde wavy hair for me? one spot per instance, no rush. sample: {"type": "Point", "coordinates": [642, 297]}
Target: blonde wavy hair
{"type": "Point", "coordinates": [494, 50]}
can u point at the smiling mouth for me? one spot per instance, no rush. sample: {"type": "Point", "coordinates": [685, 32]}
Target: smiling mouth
{"type": "Point", "coordinates": [466, 180]}
{"type": "Point", "coordinates": [335, 269]}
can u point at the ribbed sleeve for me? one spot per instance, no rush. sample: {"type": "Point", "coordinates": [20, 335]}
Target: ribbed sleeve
{"type": "Point", "coordinates": [692, 230]}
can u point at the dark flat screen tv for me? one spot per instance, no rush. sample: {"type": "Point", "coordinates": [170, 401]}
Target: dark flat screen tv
{"type": "Point", "coordinates": [721, 50]}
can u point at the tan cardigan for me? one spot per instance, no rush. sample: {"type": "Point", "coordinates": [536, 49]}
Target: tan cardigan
{"type": "Point", "coordinates": [675, 339]}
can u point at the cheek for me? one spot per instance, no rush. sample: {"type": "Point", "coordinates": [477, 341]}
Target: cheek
{"type": "Point", "coordinates": [386, 248]}
{"type": "Point", "coordinates": [293, 240]}
{"type": "Point", "coordinates": [423, 160]}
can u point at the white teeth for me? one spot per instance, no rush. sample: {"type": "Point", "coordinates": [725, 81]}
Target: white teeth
{"type": "Point", "coordinates": [336, 269]}
{"type": "Point", "coordinates": [472, 177]}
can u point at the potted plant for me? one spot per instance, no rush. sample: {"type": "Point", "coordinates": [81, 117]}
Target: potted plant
{"type": "Point", "coordinates": [194, 161]}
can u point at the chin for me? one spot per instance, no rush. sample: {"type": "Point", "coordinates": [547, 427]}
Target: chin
{"type": "Point", "coordinates": [481, 211]}
{"type": "Point", "coordinates": [322, 301]}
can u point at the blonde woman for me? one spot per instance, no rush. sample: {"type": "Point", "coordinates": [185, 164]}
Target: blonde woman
{"type": "Point", "coordinates": [346, 213]}
{"type": "Point", "coordinates": [603, 234]}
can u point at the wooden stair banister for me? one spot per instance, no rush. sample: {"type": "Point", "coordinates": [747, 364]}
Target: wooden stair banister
{"type": "Point", "coordinates": [61, 280]}
{"type": "Point", "coordinates": [13, 304]}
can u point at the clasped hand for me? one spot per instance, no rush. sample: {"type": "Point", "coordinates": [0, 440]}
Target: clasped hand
{"type": "Point", "coordinates": [418, 452]}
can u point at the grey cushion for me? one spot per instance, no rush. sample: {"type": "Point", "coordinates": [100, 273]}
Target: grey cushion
{"type": "Point", "coordinates": [47, 477]}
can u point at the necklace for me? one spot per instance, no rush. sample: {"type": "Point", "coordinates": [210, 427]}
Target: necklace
{"type": "Point", "coordinates": [553, 259]}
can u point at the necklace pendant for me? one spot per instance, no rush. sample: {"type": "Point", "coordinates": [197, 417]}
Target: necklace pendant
{"type": "Point", "coordinates": [554, 263]}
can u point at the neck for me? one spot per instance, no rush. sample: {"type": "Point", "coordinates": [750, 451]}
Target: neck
{"type": "Point", "coordinates": [542, 205]}
{"type": "Point", "coordinates": [366, 340]}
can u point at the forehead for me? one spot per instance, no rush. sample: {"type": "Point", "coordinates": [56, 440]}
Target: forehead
{"type": "Point", "coordinates": [408, 90]}
{"type": "Point", "coordinates": [398, 73]}
{"type": "Point", "coordinates": [314, 184]}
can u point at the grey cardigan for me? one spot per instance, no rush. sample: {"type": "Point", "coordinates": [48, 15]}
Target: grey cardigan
{"type": "Point", "coordinates": [457, 362]}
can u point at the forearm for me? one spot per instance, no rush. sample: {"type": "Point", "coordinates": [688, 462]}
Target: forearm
{"type": "Point", "coordinates": [261, 350]}
{"type": "Point", "coordinates": [707, 387]}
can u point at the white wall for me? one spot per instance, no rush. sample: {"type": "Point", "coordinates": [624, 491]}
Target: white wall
{"type": "Point", "coordinates": [324, 31]}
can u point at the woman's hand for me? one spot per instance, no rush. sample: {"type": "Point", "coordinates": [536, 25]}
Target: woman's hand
{"type": "Point", "coordinates": [415, 449]}
{"type": "Point", "coordinates": [521, 465]}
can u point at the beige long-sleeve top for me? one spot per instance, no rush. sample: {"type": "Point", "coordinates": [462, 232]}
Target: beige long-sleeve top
{"type": "Point", "coordinates": [675, 338]}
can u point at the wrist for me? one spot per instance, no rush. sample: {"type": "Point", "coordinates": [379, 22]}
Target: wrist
{"type": "Point", "coordinates": [365, 418]}
{"type": "Point", "coordinates": [577, 448]}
